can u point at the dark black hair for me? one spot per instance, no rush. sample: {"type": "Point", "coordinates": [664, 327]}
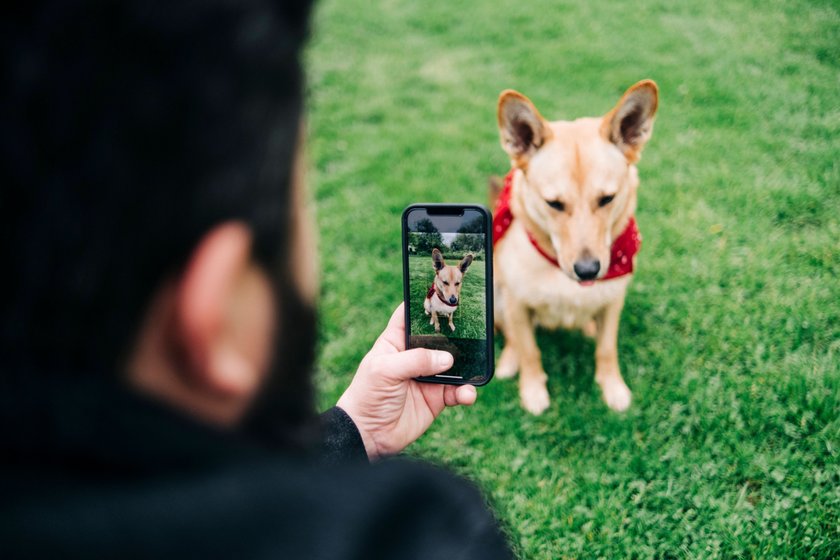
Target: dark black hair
{"type": "Point", "coordinates": [129, 129]}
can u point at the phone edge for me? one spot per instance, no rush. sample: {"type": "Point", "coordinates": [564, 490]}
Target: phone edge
{"type": "Point", "coordinates": [488, 288]}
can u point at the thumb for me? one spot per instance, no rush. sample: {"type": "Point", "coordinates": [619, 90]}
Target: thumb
{"type": "Point", "coordinates": [417, 362]}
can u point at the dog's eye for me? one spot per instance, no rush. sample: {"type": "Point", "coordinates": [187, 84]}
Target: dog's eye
{"type": "Point", "coordinates": [445, 283]}
{"type": "Point", "coordinates": [556, 204]}
{"type": "Point", "coordinates": [604, 200]}
{"type": "Point", "coordinates": [457, 283]}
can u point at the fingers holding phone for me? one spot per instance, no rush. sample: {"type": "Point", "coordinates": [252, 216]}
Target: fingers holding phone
{"type": "Point", "coordinates": [437, 346]}
{"type": "Point", "coordinates": [387, 404]}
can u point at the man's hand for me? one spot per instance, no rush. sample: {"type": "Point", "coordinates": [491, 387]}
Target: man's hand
{"type": "Point", "coordinates": [389, 407]}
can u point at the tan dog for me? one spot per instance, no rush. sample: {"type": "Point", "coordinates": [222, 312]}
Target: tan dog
{"type": "Point", "coordinates": [564, 249]}
{"type": "Point", "coordinates": [444, 295]}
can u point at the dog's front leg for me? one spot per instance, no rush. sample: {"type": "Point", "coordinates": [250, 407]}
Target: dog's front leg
{"type": "Point", "coordinates": [607, 373]}
{"type": "Point", "coordinates": [451, 324]}
{"type": "Point", "coordinates": [519, 330]}
{"type": "Point", "coordinates": [508, 364]}
{"type": "Point", "coordinates": [435, 320]}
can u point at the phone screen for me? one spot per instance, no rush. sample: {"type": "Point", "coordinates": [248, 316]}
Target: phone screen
{"type": "Point", "coordinates": [448, 276]}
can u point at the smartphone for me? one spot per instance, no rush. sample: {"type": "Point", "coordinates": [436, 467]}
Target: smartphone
{"type": "Point", "coordinates": [448, 286]}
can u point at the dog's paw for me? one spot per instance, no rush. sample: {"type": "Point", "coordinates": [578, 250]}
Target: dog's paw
{"type": "Point", "coordinates": [534, 397]}
{"type": "Point", "coordinates": [437, 328]}
{"type": "Point", "coordinates": [431, 321]}
{"type": "Point", "coordinates": [451, 326]}
{"type": "Point", "coordinates": [616, 394]}
{"type": "Point", "coordinates": [508, 364]}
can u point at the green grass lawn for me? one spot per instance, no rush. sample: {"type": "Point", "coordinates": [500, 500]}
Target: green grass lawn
{"type": "Point", "coordinates": [730, 338]}
{"type": "Point", "coordinates": [469, 317]}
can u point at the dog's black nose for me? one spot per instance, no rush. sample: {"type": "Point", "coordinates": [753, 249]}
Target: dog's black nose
{"type": "Point", "coordinates": [587, 269]}
{"type": "Point", "coordinates": [453, 300]}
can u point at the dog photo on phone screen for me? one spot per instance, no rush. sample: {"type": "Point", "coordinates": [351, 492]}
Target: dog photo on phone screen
{"type": "Point", "coordinates": [447, 293]}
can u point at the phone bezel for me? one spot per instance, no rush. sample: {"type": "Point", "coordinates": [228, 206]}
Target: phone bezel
{"type": "Point", "coordinates": [488, 298]}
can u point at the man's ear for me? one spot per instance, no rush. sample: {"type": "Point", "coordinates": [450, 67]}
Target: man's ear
{"type": "Point", "coordinates": [205, 309]}
{"type": "Point", "coordinates": [522, 129]}
{"type": "Point", "coordinates": [465, 263]}
{"type": "Point", "coordinates": [437, 259]}
{"type": "Point", "coordinates": [630, 123]}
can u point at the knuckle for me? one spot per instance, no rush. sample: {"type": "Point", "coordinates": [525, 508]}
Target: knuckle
{"type": "Point", "coordinates": [376, 367]}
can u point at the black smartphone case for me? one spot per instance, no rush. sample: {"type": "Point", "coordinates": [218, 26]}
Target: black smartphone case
{"type": "Point", "coordinates": [443, 209]}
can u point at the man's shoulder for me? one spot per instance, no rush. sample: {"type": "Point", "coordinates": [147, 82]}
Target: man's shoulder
{"type": "Point", "coordinates": [122, 475]}
{"type": "Point", "coordinates": [400, 508]}
{"type": "Point", "coordinates": [397, 508]}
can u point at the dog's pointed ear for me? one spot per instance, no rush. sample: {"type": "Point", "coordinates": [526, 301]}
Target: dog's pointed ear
{"type": "Point", "coordinates": [522, 129]}
{"type": "Point", "coordinates": [437, 259]}
{"type": "Point", "coordinates": [630, 123]}
{"type": "Point", "coordinates": [465, 263]}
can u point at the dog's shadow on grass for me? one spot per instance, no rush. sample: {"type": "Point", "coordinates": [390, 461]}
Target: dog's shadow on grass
{"type": "Point", "coordinates": [568, 357]}
{"type": "Point", "coordinates": [569, 360]}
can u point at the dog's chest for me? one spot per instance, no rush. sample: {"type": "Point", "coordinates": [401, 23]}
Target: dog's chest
{"type": "Point", "coordinates": [554, 299]}
{"type": "Point", "coordinates": [441, 308]}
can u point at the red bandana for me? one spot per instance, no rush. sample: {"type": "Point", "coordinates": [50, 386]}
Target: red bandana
{"type": "Point", "coordinates": [623, 249]}
{"type": "Point", "coordinates": [432, 291]}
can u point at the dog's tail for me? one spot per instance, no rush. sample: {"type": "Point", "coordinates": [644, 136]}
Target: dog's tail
{"type": "Point", "coordinates": [495, 186]}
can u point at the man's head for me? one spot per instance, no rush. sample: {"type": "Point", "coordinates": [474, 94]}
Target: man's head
{"type": "Point", "coordinates": [148, 213]}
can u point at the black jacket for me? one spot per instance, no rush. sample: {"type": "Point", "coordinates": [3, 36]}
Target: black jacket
{"type": "Point", "coordinates": [90, 469]}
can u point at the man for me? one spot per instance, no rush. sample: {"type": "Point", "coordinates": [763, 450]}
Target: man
{"type": "Point", "coordinates": [158, 323]}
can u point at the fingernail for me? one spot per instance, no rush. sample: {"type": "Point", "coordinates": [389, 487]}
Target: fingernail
{"type": "Point", "coordinates": [443, 359]}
